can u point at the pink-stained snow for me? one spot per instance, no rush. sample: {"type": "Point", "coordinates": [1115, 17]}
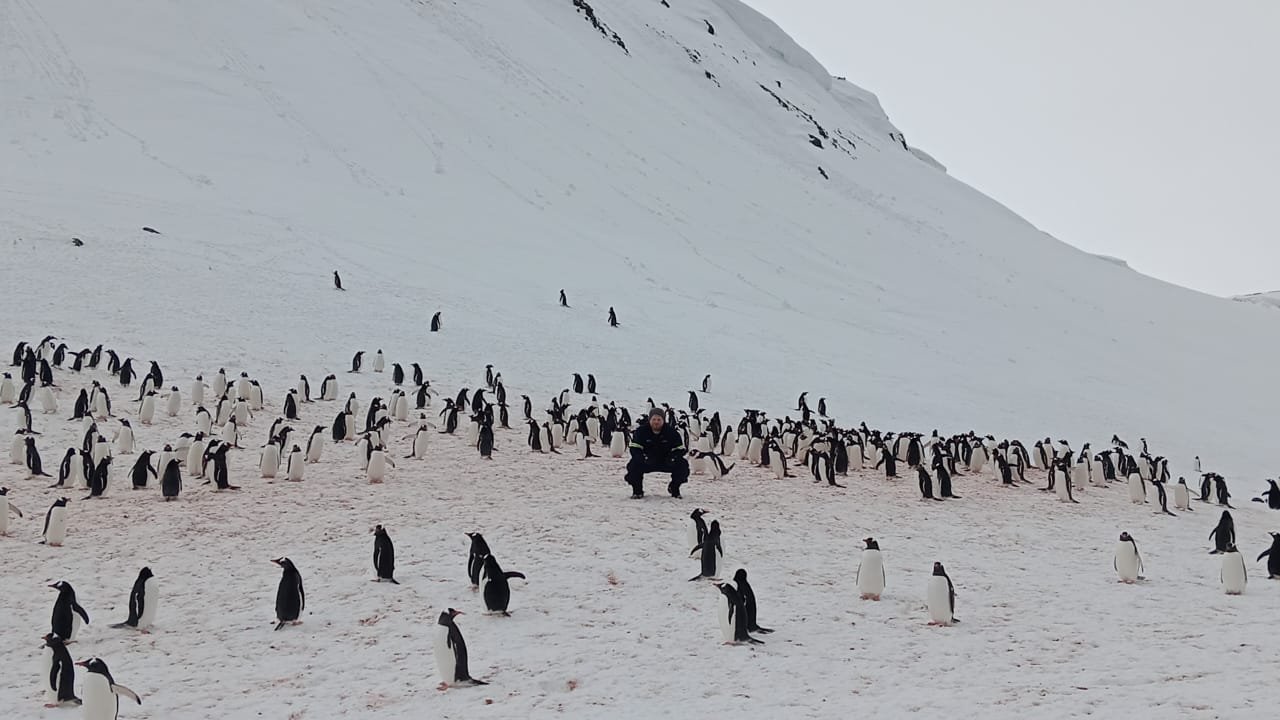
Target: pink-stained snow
{"type": "Point", "coordinates": [608, 621]}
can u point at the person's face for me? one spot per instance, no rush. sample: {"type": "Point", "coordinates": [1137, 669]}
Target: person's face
{"type": "Point", "coordinates": [656, 422]}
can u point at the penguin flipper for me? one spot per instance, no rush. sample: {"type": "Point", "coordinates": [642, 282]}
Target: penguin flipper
{"type": "Point", "coordinates": [122, 690]}
{"type": "Point", "coordinates": [515, 575]}
{"type": "Point", "coordinates": [280, 624]}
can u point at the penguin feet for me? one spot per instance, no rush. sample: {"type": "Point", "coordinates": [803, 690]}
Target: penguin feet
{"type": "Point", "coordinates": [869, 596]}
{"type": "Point", "coordinates": [442, 686]}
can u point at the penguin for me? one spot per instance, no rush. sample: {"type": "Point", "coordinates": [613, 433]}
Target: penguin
{"type": "Point", "coordinates": [296, 463]}
{"type": "Point", "coordinates": [696, 529]}
{"type": "Point", "coordinates": [617, 444]}
{"type": "Point", "coordinates": [1233, 575]}
{"type": "Point", "coordinates": [451, 653]}
{"type": "Point", "coordinates": [357, 362]}
{"type": "Point", "coordinates": [337, 281]}
{"type": "Point", "coordinates": [941, 597]}
{"type": "Point", "coordinates": [706, 383]}
{"type": "Point", "coordinates": [384, 556]}
{"type": "Point", "coordinates": [67, 613]}
{"type": "Point", "coordinates": [142, 602]}
{"type": "Point", "coordinates": [1220, 488]}
{"type": "Point", "coordinates": [733, 617]}
{"type": "Point", "coordinates": [888, 460]}
{"type": "Point", "coordinates": [535, 438]}
{"type": "Point", "coordinates": [1137, 489]}
{"type": "Point", "coordinates": [1182, 495]}
{"type": "Point", "coordinates": [693, 402]}
{"type": "Point", "coordinates": [1273, 562]}
{"type": "Point", "coordinates": [142, 470]}
{"type": "Point", "coordinates": [1206, 486]}
{"type": "Point", "coordinates": [291, 600]}
{"type": "Point", "coordinates": [1128, 562]}
{"type": "Point", "coordinates": [340, 427]}
{"type": "Point", "coordinates": [379, 361]}
{"type": "Point", "coordinates": [171, 481]}
{"type": "Point", "coordinates": [484, 441]}
{"type": "Point", "coordinates": [291, 405]}
{"type": "Point", "coordinates": [173, 402]}
{"type": "Point", "coordinates": [1162, 496]}
{"type": "Point", "coordinates": [8, 393]}
{"type": "Point", "coordinates": [716, 467]}
{"type": "Point", "coordinates": [528, 407]}
{"type": "Point", "coordinates": [926, 484]}
{"type": "Point", "coordinates": [494, 586]}
{"type": "Point", "coordinates": [397, 374]}
{"type": "Point", "coordinates": [34, 465]}
{"type": "Point", "coordinates": [5, 508]}
{"type": "Point", "coordinates": [577, 384]}
{"type": "Point", "coordinates": [48, 403]}
{"type": "Point", "coordinates": [55, 523]}
{"type": "Point", "coordinates": [329, 387]}
{"type": "Point", "coordinates": [376, 472]}
{"type": "Point", "coordinates": [475, 558]}
{"type": "Point", "coordinates": [221, 474]}
{"type": "Point", "coordinates": [60, 673]}
{"type": "Point", "coordinates": [711, 561]}
{"type": "Point", "coordinates": [435, 323]}
{"type": "Point", "coordinates": [101, 693]}
{"type": "Point", "coordinates": [1271, 496]}
{"type": "Point", "coordinates": [417, 374]}
{"type": "Point", "coordinates": [315, 445]}
{"type": "Point", "coordinates": [99, 477]}
{"type": "Point", "coordinates": [871, 576]}
{"type": "Point", "coordinates": [1224, 535]}
{"type": "Point", "coordinates": [126, 373]}
{"type": "Point", "coordinates": [748, 598]}
{"type": "Point", "coordinates": [613, 318]}
{"type": "Point", "coordinates": [564, 299]}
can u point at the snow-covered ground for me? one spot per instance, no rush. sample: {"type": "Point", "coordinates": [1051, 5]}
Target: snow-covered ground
{"type": "Point", "coordinates": [474, 158]}
{"type": "Point", "coordinates": [608, 621]}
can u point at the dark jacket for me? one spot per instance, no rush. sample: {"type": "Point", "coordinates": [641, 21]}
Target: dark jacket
{"type": "Point", "coordinates": [660, 448]}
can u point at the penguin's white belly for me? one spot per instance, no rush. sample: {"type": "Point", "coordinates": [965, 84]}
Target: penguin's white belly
{"type": "Point", "coordinates": [1233, 573]}
{"type": "Point", "coordinates": [1061, 487]}
{"type": "Point", "coordinates": [204, 423]}
{"type": "Point", "coordinates": [76, 622]}
{"type": "Point", "coordinates": [18, 450]}
{"type": "Point", "coordinates": [197, 394]}
{"type": "Point", "coordinates": [402, 408]}
{"type": "Point", "coordinates": [57, 531]}
{"type": "Point", "coordinates": [270, 462]}
{"type": "Point", "coordinates": [939, 598]}
{"type": "Point", "coordinates": [351, 427]}
{"type": "Point", "coordinates": [46, 667]}
{"type": "Point", "coordinates": [871, 574]}
{"type": "Point", "coordinates": [696, 464]}
{"type": "Point", "coordinates": [150, 600]}
{"type": "Point", "coordinates": [743, 450]}
{"type": "Point", "coordinates": [77, 478]}
{"type": "Point", "coordinates": [148, 411]}
{"type": "Point", "coordinates": [777, 464]}
{"type": "Point", "coordinates": [584, 446]}
{"type": "Point", "coordinates": [48, 402]}
{"type": "Point", "coordinates": [753, 450]}
{"type": "Point", "coordinates": [224, 414]}
{"type": "Point", "coordinates": [194, 454]}
{"type": "Point", "coordinates": [1079, 475]}
{"type": "Point", "coordinates": [1181, 497]}
{"type": "Point", "coordinates": [446, 663]}
{"type": "Point", "coordinates": [242, 414]}
{"type": "Point", "coordinates": [420, 444]}
{"type": "Point", "coordinates": [243, 388]}
{"type": "Point", "coordinates": [473, 433]}
{"type": "Point", "coordinates": [174, 405]}
{"type": "Point", "coordinates": [295, 466]}
{"type": "Point", "coordinates": [377, 467]}
{"type": "Point", "coordinates": [124, 445]}
{"type": "Point", "coordinates": [255, 399]}
{"type": "Point", "coordinates": [219, 385]}
{"type": "Point", "coordinates": [726, 626]}
{"type": "Point", "coordinates": [315, 449]}
{"type": "Point", "coordinates": [1137, 492]}
{"type": "Point", "coordinates": [1126, 562]}
{"type": "Point", "coordinates": [99, 701]}
{"type": "Point", "coordinates": [855, 456]}
{"type": "Point", "coordinates": [617, 445]}
{"type": "Point", "coordinates": [100, 407]}
{"type": "Point", "coordinates": [4, 515]}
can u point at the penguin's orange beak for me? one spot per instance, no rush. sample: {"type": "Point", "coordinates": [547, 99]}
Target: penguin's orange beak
{"type": "Point", "coordinates": [83, 663]}
{"type": "Point", "coordinates": [278, 561]}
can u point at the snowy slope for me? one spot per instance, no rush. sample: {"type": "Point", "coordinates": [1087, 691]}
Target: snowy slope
{"type": "Point", "coordinates": [476, 157]}
{"type": "Point", "coordinates": [1265, 299]}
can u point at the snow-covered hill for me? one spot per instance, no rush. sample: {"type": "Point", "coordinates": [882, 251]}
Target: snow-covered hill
{"type": "Point", "coordinates": [1265, 299]}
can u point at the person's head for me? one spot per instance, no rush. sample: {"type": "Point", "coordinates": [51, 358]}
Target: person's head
{"type": "Point", "coordinates": [657, 418]}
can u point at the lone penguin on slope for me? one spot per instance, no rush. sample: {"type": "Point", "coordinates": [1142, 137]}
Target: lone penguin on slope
{"type": "Point", "coordinates": [290, 598]}
{"type": "Point", "coordinates": [451, 653]}
{"type": "Point", "coordinates": [941, 598]}
{"type": "Point", "coordinates": [564, 299]}
{"type": "Point", "coordinates": [384, 556]}
{"type": "Point", "coordinates": [1128, 562]}
{"type": "Point", "coordinates": [142, 602]}
{"type": "Point", "coordinates": [613, 318]}
{"type": "Point", "coordinates": [337, 281]}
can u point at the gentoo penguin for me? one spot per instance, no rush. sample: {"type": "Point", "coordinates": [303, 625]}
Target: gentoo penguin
{"type": "Point", "coordinates": [475, 558]}
{"type": "Point", "coordinates": [941, 597]}
{"type": "Point", "coordinates": [494, 586]}
{"type": "Point", "coordinates": [748, 597]}
{"type": "Point", "coordinates": [142, 602]}
{"type": "Point", "coordinates": [420, 438]}
{"type": "Point", "coordinates": [315, 445]}
{"type": "Point", "coordinates": [295, 464]}
{"type": "Point", "coordinates": [197, 391]}
{"type": "Point", "coordinates": [451, 652]}
{"type": "Point", "coordinates": [269, 460]}
{"type": "Point", "coordinates": [564, 299]}
{"type": "Point", "coordinates": [48, 403]}
{"type": "Point", "coordinates": [926, 483]}
{"type": "Point", "coordinates": [5, 509]}
{"type": "Point", "coordinates": [1182, 495]}
{"type": "Point", "coordinates": [1224, 535]}
{"type": "Point", "coordinates": [171, 481]}
{"type": "Point", "coordinates": [1271, 496]}
{"type": "Point", "coordinates": [871, 577]}
{"type": "Point", "coordinates": [357, 362]}
{"type": "Point", "coordinates": [384, 556]}
{"type": "Point", "coordinates": [696, 530]}
{"type": "Point", "coordinates": [1233, 575]}
{"type": "Point", "coordinates": [1162, 496]}
{"type": "Point", "coordinates": [55, 523]}
{"type": "Point", "coordinates": [8, 393]}
{"type": "Point", "coordinates": [378, 463]}
{"type": "Point", "coordinates": [397, 374]}
{"type": "Point", "coordinates": [706, 383]}
{"type": "Point", "coordinates": [337, 281]}
{"type": "Point", "coordinates": [173, 402]}
{"type": "Point", "coordinates": [613, 318]}
{"type": "Point", "coordinates": [1128, 562]}
{"type": "Point", "coordinates": [67, 613]}
{"type": "Point", "coordinates": [291, 600]}
{"type": "Point", "coordinates": [1220, 488]}
{"type": "Point", "coordinates": [101, 693]}
{"type": "Point", "coordinates": [733, 617]}
{"type": "Point", "coordinates": [59, 673]}
{"type": "Point", "coordinates": [221, 475]}
{"type": "Point", "coordinates": [99, 477]}
{"type": "Point", "coordinates": [1273, 562]}
{"type": "Point", "coordinates": [712, 553]}
{"type": "Point", "coordinates": [34, 465]}
{"type": "Point", "coordinates": [435, 323]}
{"type": "Point", "coordinates": [379, 361]}
{"type": "Point", "coordinates": [1137, 489]}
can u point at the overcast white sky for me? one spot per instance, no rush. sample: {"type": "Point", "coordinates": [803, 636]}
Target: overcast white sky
{"type": "Point", "coordinates": [1143, 129]}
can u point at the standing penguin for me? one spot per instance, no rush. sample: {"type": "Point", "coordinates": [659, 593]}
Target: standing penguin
{"type": "Point", "coordinates": [696, 530]}
{"type": "Point", "coordinates": [101, 693]}
{"type": "Point", "coordinates": [1224, 535]}
{"type": "Point", "coordinates": [296, 463]}
{"type": "Point", "coordinates": [1273, 562]}
{"type": "Point", "coordinates": [435, 323]}
{"type": "Point", "coordinates": [384, 556]}
{"type": "Point", "coordinates": [59, 673]}
{"type": "Point", "coordinates": [357, 361]}
{"type": "Point", "coordinates": [379, 361]}
{"type": "Point", "coordinates": [337, 281]}
{"type": "Point", "coordinates": [475, 558]}
{"type": "Point", "coordinates": [34, 465]}
{"type": "Point", "coordinates": [564, 299]}
{"type": "Point", "coordinates": [941, 598]}
{"type": "Point", "coordinates": [1271, 497]}
{"type": "Point", "coordinates": [1128, 562]}
{"type": "Point", "coordinates": [171, 481]}
{"type": "Point", "coordinates": [495, 588]}
{"type": "Point", "coordinates": [291, 405]}
{"type": "Point", "coordinates": [291, 600]}
{"type": "Point", "coordinates": [733, 617]}
{"type": "Point", "coordinates": [871, 577]}
{"type": "Point", "coordinates": [1182, 495]}
{"type": "Point", "coordinates": [55, 523]}
{"type": "Point", "coordinates": [451, 653]}
{"type": "Point", "coordinates": [712, 553]}
{"type": "Point", "coordinates": [748, 597]}
{"type": "Point", "coordinates": [1233, 575]}
{"type": "Point", "coordinates": [5, 509]}
{"type": "Point", "coordinates": [142, 602]}
{"type": "Point", "coordinates": [376, 471]}
{"type": "Point", "coordinates": [67, 613]}
{"type": "Point", "coordinates": [613, 318]}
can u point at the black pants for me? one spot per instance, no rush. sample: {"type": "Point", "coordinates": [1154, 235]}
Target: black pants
{"type": "Point", "coordinates": [678, 468]}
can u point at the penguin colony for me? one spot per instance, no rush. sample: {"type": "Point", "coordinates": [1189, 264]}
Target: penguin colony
{"type": "Point", "coordinates": [223, 410]}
